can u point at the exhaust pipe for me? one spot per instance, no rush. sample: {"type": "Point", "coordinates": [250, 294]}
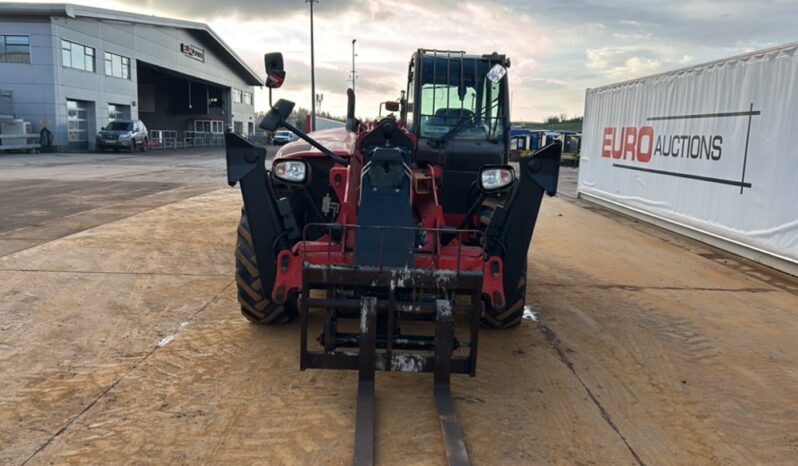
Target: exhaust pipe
{"type": "Point", "coordinates": [351, 121]}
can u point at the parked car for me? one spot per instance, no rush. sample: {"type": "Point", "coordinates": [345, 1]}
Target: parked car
{"type": "Point", "coordinates": [283, 137]}
{"type": "Point", "coordinates": [123, 134]}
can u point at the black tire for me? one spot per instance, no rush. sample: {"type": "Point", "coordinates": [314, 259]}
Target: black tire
{"type": "Point", "coordinates": [256, 306]}
{"type": "Point", "coordinates": [144, 146]}
{"type": "Point", "coordinates": [510, 316]}
{"type": "Point", "coordinates": [132, 147]}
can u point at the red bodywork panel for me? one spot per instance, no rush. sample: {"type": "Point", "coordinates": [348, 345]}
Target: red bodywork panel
{"type": "Point", "coordinates": [345, 181]}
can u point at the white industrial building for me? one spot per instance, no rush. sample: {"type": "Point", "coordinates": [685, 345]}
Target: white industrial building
{"type": "Point", "coordinates": [72, 69]}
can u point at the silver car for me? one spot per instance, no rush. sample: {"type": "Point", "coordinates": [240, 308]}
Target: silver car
{"type": "Point", "coordinates": [123, 134]}
{"type": "Point", "coordinates": [283, 137]}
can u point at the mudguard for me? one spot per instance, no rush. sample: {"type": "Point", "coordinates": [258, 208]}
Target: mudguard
{"type": "Point", "coordinates": [512, 225]}
{"type": "Point", "coordinates": [246, 165]}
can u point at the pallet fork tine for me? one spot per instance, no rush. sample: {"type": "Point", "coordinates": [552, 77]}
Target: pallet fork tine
{"type": "Point", "coordinates": [364, 421]}
{"type": "Point", "coordinates": [453, 439]}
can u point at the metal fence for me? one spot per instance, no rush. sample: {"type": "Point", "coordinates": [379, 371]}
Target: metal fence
{"type": "Point", "coordinates": [163, 139]}
{"type": "Point", "coordinates": [168, 139]}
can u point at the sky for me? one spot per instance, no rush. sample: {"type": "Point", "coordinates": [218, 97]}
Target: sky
{"type": "Point", "coordinates": [558, 48]}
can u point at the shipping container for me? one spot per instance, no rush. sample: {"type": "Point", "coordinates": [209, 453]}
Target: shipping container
{"type": "Point", "coordinates": [709, 151]}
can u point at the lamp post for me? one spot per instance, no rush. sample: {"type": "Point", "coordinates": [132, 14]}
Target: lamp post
{"type": "Point", "coordinates": [312, 72]}
{"type": "Point", "coordinates": [354, 76]}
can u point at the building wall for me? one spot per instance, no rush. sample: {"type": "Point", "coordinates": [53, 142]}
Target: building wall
{"type": "Point", "coordinates": [33, 84]}
{"type": "Point", "coordinates": [42, 88]}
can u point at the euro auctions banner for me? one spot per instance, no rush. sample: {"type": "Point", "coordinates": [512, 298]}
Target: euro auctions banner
{"type": "Point", "coordinates": [713, 147]}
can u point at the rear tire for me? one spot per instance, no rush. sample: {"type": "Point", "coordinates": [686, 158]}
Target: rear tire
{"type": "Point", "coordinates": [511, 315]}
{"type": "Point", "coordinates": [256, 306]}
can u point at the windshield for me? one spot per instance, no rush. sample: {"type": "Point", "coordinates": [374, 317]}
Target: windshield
{"type": "Point", "coordinates": [119, 126]}
{"type": "Point", "coordinates": [455, 91]}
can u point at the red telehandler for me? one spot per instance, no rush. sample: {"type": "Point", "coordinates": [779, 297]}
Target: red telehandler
{"type": "Point", "coordinates": [394, 232]}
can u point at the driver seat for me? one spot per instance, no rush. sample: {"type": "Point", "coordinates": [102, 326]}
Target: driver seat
{"type": "Point", "coordinates": [451, 116]}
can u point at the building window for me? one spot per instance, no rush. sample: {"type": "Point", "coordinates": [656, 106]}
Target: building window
{"type": "Point", "coordinates": [77, 123]}
{"type": "Point", "coordinates": [77, 56]}
{"type": "Point", "coordinates": [247, 98]}
{"type": "Point", "coordinates": [118, 112]}
{"type": "Point", "coordinates": [117, 66]}
{"type": "Point", "coordinates": [236, 96]}
{"type": "Point", "coordinates": [209, 126]}
{"type": "Point", "coordinates": [14, 49]}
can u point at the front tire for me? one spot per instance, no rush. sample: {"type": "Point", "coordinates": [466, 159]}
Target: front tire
{"type": "Point", "coordinates": [256, 306]}
{"type": "Point", "coordinates": [511, 315]}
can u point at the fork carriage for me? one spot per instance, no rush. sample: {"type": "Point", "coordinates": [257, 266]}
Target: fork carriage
{"type": "Point", "coordinates": [382, 344]}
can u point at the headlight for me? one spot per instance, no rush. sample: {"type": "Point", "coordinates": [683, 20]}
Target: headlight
{"type": "Point", "coordinates": [496, 178]}
{"type": "Point", "coordinates": [291, 171]}
{"type": "Point", "coordinates": [125, 135]}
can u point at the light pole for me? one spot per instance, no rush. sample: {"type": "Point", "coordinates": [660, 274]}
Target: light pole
{"type": "Point", "coordinates": [312, 72]}
{"type": "Point", "coordinates": [354, 76]}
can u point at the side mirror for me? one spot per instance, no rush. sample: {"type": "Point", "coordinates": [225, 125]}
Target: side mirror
{"type": "Point", "coordinates": [277, 115]}
{"type": "Point", "coordinates": [275, 73]}
{"type": "Point", "coordinates": [392, 106]}
{"type": "Point", "coordinates": [495, 178]}
{"type": "Point", "coordinates": [497, 73]}
{"type": "Point", "coordinates": [291, 171]}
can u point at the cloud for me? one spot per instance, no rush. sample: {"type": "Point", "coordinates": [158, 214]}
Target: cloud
{"type": "Point", "coordinates": [243, 9]}
{"type": "Point", "coordinates": [387, 34]}
{"type": "Point", "coordinates": [558, 48]}
{"type": "Point", "coordinates": [634, 61]}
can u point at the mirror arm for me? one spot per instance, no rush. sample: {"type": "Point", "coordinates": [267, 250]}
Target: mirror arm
{"type": "Point", "coordinates": [312, 142]}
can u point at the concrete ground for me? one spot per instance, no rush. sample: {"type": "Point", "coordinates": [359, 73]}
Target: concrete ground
{"type": "Point", "coordinates": [121, 342]}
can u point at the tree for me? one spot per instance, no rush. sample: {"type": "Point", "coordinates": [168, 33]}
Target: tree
{"type": "Point", "coordinates": [552, 119]}
{"type": "Point", "coordinates": [299, 117]}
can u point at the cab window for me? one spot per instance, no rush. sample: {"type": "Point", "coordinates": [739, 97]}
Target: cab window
{"type": "Point", "coordinates": [455, 92]}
